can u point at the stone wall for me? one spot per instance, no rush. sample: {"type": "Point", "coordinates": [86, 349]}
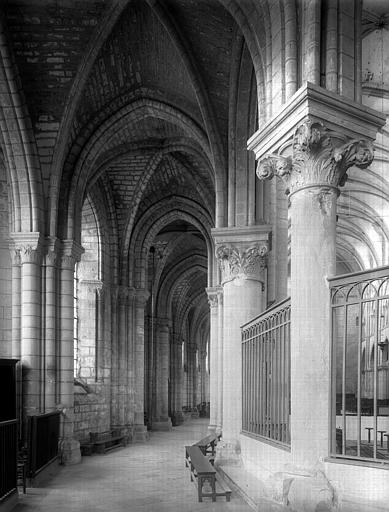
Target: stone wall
{"type": "Point", "coordinates": [5, 271]}
{"type": "Point", "coordinates": [91, 413]}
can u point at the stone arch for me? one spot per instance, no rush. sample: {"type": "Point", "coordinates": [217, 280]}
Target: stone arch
{"type": "Point", "coordinates": [166, 291]}
{"type": "Point", "coordinates": [155, 160]}
{"type": "Point", "coordinates": [19, 148]}
{"type": "Point", "coordinates": [96, 42]}
{"type": "Point", "coordinates": [151, 223]}
{"type": "Point", "coordinates": [91, 153]}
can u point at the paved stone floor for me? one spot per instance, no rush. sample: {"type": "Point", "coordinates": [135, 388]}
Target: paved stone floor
{"type": "Point", "coordinates": [149, 477]}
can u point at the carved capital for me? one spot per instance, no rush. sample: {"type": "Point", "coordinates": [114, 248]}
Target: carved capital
{"type": "Point", "coordinates": [123, 293]}
{"type": "Point", "coordinates": [51, 258]}
{"type": "Point", "coordinates": [30, 254]}
{"type": "Point", "coordinates": [212, 297]}
{"type": "Point", "coordinates": [141, 297]}
{"type": "Point", "coordinates": [319, 158]}
{"type": "Point", "coordinates": [239, 262]}
{"type": "Point", "coordinates": [15, 257]}
{"type": "Point", "coordinates": [93, 285]}
{"type": "Point", "coordinates": [68, 262]}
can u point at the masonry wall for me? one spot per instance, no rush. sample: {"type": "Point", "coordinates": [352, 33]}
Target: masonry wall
{"type": "Point", "coordinates": [5, 270]}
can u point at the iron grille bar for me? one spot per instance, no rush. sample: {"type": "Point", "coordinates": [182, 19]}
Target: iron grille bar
{"type": "Point", "coordinates": [266, 374]}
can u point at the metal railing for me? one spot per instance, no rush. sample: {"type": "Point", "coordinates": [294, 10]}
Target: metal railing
{"type": "Point", "coordinates": [8, 458]}
{"type": "Point", "coordinates": [266, 375]}
{"type": "Point", "coordinates": [360, 366]}
{"type": "Point", "coordinates": [43, 436]}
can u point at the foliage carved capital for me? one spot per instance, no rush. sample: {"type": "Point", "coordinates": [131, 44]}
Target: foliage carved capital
{"type": "Point", "coordinates": [317, 159]}
{"type": "Point", "coordinates": [239, 262]}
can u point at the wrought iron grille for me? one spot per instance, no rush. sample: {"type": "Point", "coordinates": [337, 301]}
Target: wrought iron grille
{"type": "Point", "coordinates": [360, 366]}
{"type": "Point", "coordinates": [266, 374]}
{"type": "Point", "coordinates": [43, 440]}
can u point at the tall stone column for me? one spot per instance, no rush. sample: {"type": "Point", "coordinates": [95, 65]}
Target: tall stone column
{"type": "Point", "coordinates": [16, 302]}
{"type": "Point", "coordinates": [161, 420]}
{"type": "Point", "coordinates": [122, 358]}
{"type": "Point", "coordinates": [50, 324]}
{"type": "Point", "coordinates": [213, 357]}
{"type": "Point", "coordinates": [191, 375]}
{"type": "Point", "coordinates": [140, 430]}
{"type": "Point", "coordinates": [242, 258]}
{"type": "Point", "coordinates": [29, 247]}
{"type": "Point", "coordinates": [70, 448]}
{"type": "Point", "coordinates": [100, 365]}
{"type": "Point", "coordinates": [114, 355]}
{"type": "Point", "coordinates": [313, 160]}
{"type": "Point", "coordinates": [176, 379]}
{"type": "Point", "coordinates": [16, 323]}
{"type": "Point", "coordinates": [219, 408]}
{"type": "Point", "coordinates": [312, 175]}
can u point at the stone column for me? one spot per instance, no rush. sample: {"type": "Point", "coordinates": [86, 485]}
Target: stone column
{"type": "Point", "coordinates": [140, 430]}
{"type": "Point", "coordinates": [16, 324]}
{"type": "Point", "coordinates": [100, 364]}
{"type": "Point", "coordinates": [213, 356]}
{"type": "Point", "coordinates": [242, 258]}
{"type": "Point", "coordinates": [16, 305]}
{"type": "Point", "coordinates": [191, 368]}
{"type": "Point", "coordinates": [69, 447]}
{"type": "Point", "coordinates": [219, 408]}
{"type": "Point", "coordinates": [122, 358]}
{"type": "Point", "coordinates": [312, 175]}
{"type": "Point", "coordinates": [114, 355]}
{"type": "Point", "coordinates": [50, 325]}
{"type": "Point", "coordinates": [176, 379]}
{"type": "Point", "coordinates": [29, 247]}
{"type": "Point", "coordinates": [161, 420]}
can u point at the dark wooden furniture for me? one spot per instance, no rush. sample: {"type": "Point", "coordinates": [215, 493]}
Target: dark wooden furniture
{"type": "Point", "coordinates": [201, 471]}
{"type": "Point", "coordinates": [381, 432]}
{"type": "Point", "coordinates": [103, 442]}
{"type": "Point", "coordinates": [207, 444]}
{"type": "Point", "coordinates": [369, 429]}
{"type": "Point", "coordinates": [387, 442]}
{"type": "Point", "coordinates": [8, 430]}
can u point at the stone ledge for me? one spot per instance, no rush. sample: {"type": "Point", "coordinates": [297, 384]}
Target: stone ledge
{"type": "Point", "coordinates": [340, 114]}
{"type": "Point", "coordinates": [250, 489]}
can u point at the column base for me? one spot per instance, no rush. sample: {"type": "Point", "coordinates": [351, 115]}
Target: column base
{"type": "Point", "coordinates": [70, 452]}
{"type": "Point", "coordinates": [177, 418]}
{"type": "Point", "coordinates": [162, 425]}
{"type": "Point", "coordinates": [212, 427]}
{"type": "Point", "coordinates": [310, 493]}
{"type": "Point", "coordinates": [228, 453]}
{"type": "Point", "coordinates": [140, 434]}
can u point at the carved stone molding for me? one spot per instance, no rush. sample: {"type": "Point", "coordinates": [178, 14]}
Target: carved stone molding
{"type": "Point", "coordinates": [51, 258]}
{"type": "Point", "coordinates": [93, 285]}
{"type": "Point", "coordinates": [317, 159]}
{"type": "Point", "coordinates": [29, 246]}
{"type": "Point", "coordinates": [67, 262]}
{"type": "Point", "coordinates": [123, 293]}
{"type": "Point", "coordinates": [15, 257]}
{"type": "Point", "coordinates": [213, 295]}
{"type": "Point", "coordinates": [239, 261]}
{"type": "Point", "coordinates": [71, 253]}
{"type": "Point", "coordinates": [30, 254]}
{"type": "Point", "coordinates": [162, 324]}
{"type": "Point", "coordinates": [141, 297]}
{"type": "Point", "coordinates": [220, 296]}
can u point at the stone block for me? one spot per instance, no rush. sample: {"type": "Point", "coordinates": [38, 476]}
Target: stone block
{"type": "Point", "coordinates": [311, 494]}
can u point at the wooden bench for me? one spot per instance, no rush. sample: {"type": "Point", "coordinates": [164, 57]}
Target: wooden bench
{"type": "Point", "coordinates": [201, 471]}
{"type": "Point", "coordinates": [207, 444]}
{"type": "Point", "coordinates": [103, 442]}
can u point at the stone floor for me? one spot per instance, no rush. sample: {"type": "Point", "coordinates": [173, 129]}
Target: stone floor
{"type": "Point", "coordinates": [148, 477]}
